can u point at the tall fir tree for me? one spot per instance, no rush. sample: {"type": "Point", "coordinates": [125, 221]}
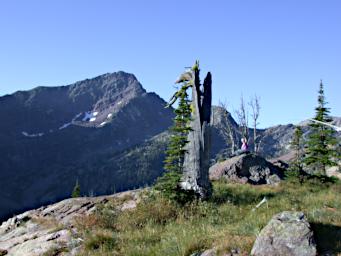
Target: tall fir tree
{"type": "Point", "coordinates": [320, 150]}
{"type": "Point", "coordinates": [179, 131]}
{"type": "Point", "coordinates": [168, 184]}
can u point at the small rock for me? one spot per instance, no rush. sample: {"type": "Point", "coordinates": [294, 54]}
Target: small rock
{"type": "Point", "coordinates": [273, 180]}
{"type": "Point", "coordinates": [53, 236]}
{"type": "Point", "coordinates": [287, 234]}
{"type": "Point", "coordinates": [3, 252]}
{"type": "Point", "coordinates": [209, 252]}
{"type": "Point", "coordinates": [233, 252]}
{"type": "Point", "coordinates": [131, 204]}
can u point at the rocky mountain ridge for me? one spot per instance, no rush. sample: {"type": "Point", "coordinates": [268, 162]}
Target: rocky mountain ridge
{"type": "Point", "coordinates": [107, 132]}
{"type": "Point", "coordinates": [52, 137]}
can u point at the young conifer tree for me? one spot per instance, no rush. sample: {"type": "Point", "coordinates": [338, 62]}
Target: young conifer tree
{"type": "Point", "coordinates": [76, 192]}
{"type": "Point", "coordinates": [297, 145]}
{"type": "Point", "coordinates": [320, 151]}
{"type": "Point", "coordinates": [179, 132]}
{"type": "Point", "coordinates": [175, 153]}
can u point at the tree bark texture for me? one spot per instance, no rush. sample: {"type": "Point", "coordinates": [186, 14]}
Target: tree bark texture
{"type": "Point", "coordinates": [196, 162]}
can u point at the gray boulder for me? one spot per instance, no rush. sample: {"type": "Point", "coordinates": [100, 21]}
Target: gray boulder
{"type": "Point", "coordinates": [287, 234]}
{"type": "Point", "coordinates": [247, 168]}
{"type": "Point", "coordinates": [50, 230]}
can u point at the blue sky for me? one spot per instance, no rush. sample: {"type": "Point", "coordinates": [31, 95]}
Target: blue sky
{"type": "Point", "coordinates": [278, 50]}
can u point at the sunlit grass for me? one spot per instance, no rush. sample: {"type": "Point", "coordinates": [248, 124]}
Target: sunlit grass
{"type": "Point", "coordinates": [226, 222]}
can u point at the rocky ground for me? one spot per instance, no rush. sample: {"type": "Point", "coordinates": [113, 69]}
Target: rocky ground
{"type": "Point", "coordinates": [50, 230]}
{"type": "Point", "coordinates": [334, 171]}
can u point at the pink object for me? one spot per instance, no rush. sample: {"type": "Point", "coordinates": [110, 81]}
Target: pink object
{"type": "Point", "coordinates": [245, 146]}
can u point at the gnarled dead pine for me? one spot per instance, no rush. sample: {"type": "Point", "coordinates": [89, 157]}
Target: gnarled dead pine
{"type": "Point", "coordinates": [196, 162]}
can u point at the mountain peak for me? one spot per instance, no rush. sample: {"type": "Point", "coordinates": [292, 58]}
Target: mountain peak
{"type": "Point", "coordinates": [90, 102]}
{"type": "Point", "coordinates": [111, 83]}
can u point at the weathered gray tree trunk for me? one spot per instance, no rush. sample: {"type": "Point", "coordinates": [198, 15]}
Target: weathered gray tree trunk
{"type": "Point", "coordinates": [196, 163]}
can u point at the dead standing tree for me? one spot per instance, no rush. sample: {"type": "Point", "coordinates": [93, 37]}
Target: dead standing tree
{"type": "Point", "coordinates": [195, 177]}
{"type": "Point", "coordinates": [255, 108]}
{"type": "Point", "coordinates": [243, 119]}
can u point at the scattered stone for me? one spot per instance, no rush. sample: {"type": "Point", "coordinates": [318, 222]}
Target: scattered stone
{"type": "Point", "coordinates": [213, 252]}
{"type": "Point", "coordinates": [51, 228]}
{"type": "Point", "coordinates": [287, 234]}
{"type": "Point", "coordinates": [131, 204]}
{"type": "Point", "coordinates": [3, 252]}
{"type": "Point", "coordinates": [273, 179]}
{"type": "Point", "coordinates": [209, 252]}
{"type": "Point", "coordinates": [247, 168]}
{"type": "Point", "coordinates": [234, 252]}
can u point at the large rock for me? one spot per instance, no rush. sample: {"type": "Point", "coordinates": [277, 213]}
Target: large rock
{"type": "Point", "coordinates": [50, 230]}
{"type": "Point", "coordinates": [287, 234]}
{"type": "Point", "coordinates": [247, 168]}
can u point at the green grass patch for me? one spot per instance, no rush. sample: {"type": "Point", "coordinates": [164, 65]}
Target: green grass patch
{"type": "Point", "coordinates": [159, 227]}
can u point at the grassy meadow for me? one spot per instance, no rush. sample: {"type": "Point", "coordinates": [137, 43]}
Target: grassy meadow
{"type": "Point", "coordinates": [225, 222]}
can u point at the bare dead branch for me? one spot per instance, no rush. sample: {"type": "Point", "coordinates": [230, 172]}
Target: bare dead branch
{"type": "Point", "coordinates": [255, 110]}
{"type": "Point", "coordinates": [243, 118]}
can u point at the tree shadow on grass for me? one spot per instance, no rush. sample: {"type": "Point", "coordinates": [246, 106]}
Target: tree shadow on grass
{"type": "Point", "coordinates": [328, 238]}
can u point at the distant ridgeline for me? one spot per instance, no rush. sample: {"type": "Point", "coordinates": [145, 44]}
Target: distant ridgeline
{"type": "Point", "coordinates": [107, 132]}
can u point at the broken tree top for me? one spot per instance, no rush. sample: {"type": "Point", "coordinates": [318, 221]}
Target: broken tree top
{"type": "Point", "coordinates": [196, 162]}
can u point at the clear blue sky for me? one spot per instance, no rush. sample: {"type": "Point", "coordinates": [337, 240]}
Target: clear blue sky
{"type": "Point", "coordinates": [277, 49]}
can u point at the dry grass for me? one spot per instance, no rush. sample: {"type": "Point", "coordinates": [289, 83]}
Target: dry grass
{"type": "Point", "coordinates": [49, 223]}
{"type": "Point", "coordinates": [226, 222]}
{"type": "Point", "coordinates": [55, 251]}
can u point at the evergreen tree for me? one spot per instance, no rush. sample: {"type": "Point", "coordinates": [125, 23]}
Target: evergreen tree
{"type": "Point", "coordinates": [76, 192]}
{"type": "Point", "coordinates": [176, 148]}
{"type": "Point", "coordinates": [320, 151]}
{"type": "Point", "coordinates": [295, 172]}
{"type": "Point", "coordinates": [297, 144]}
{"type": "Point", "coordinates": [168, 184]}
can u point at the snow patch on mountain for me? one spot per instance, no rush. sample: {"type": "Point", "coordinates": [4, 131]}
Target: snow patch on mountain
{"type": "Point", "coordinates": [26, 134]}
{"type": "Point", "coordinates": [87, 116]}
{"type": "Point", "coordinates": [64, 126]}
{"type": "Point", "coordinates": [90, 116]}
